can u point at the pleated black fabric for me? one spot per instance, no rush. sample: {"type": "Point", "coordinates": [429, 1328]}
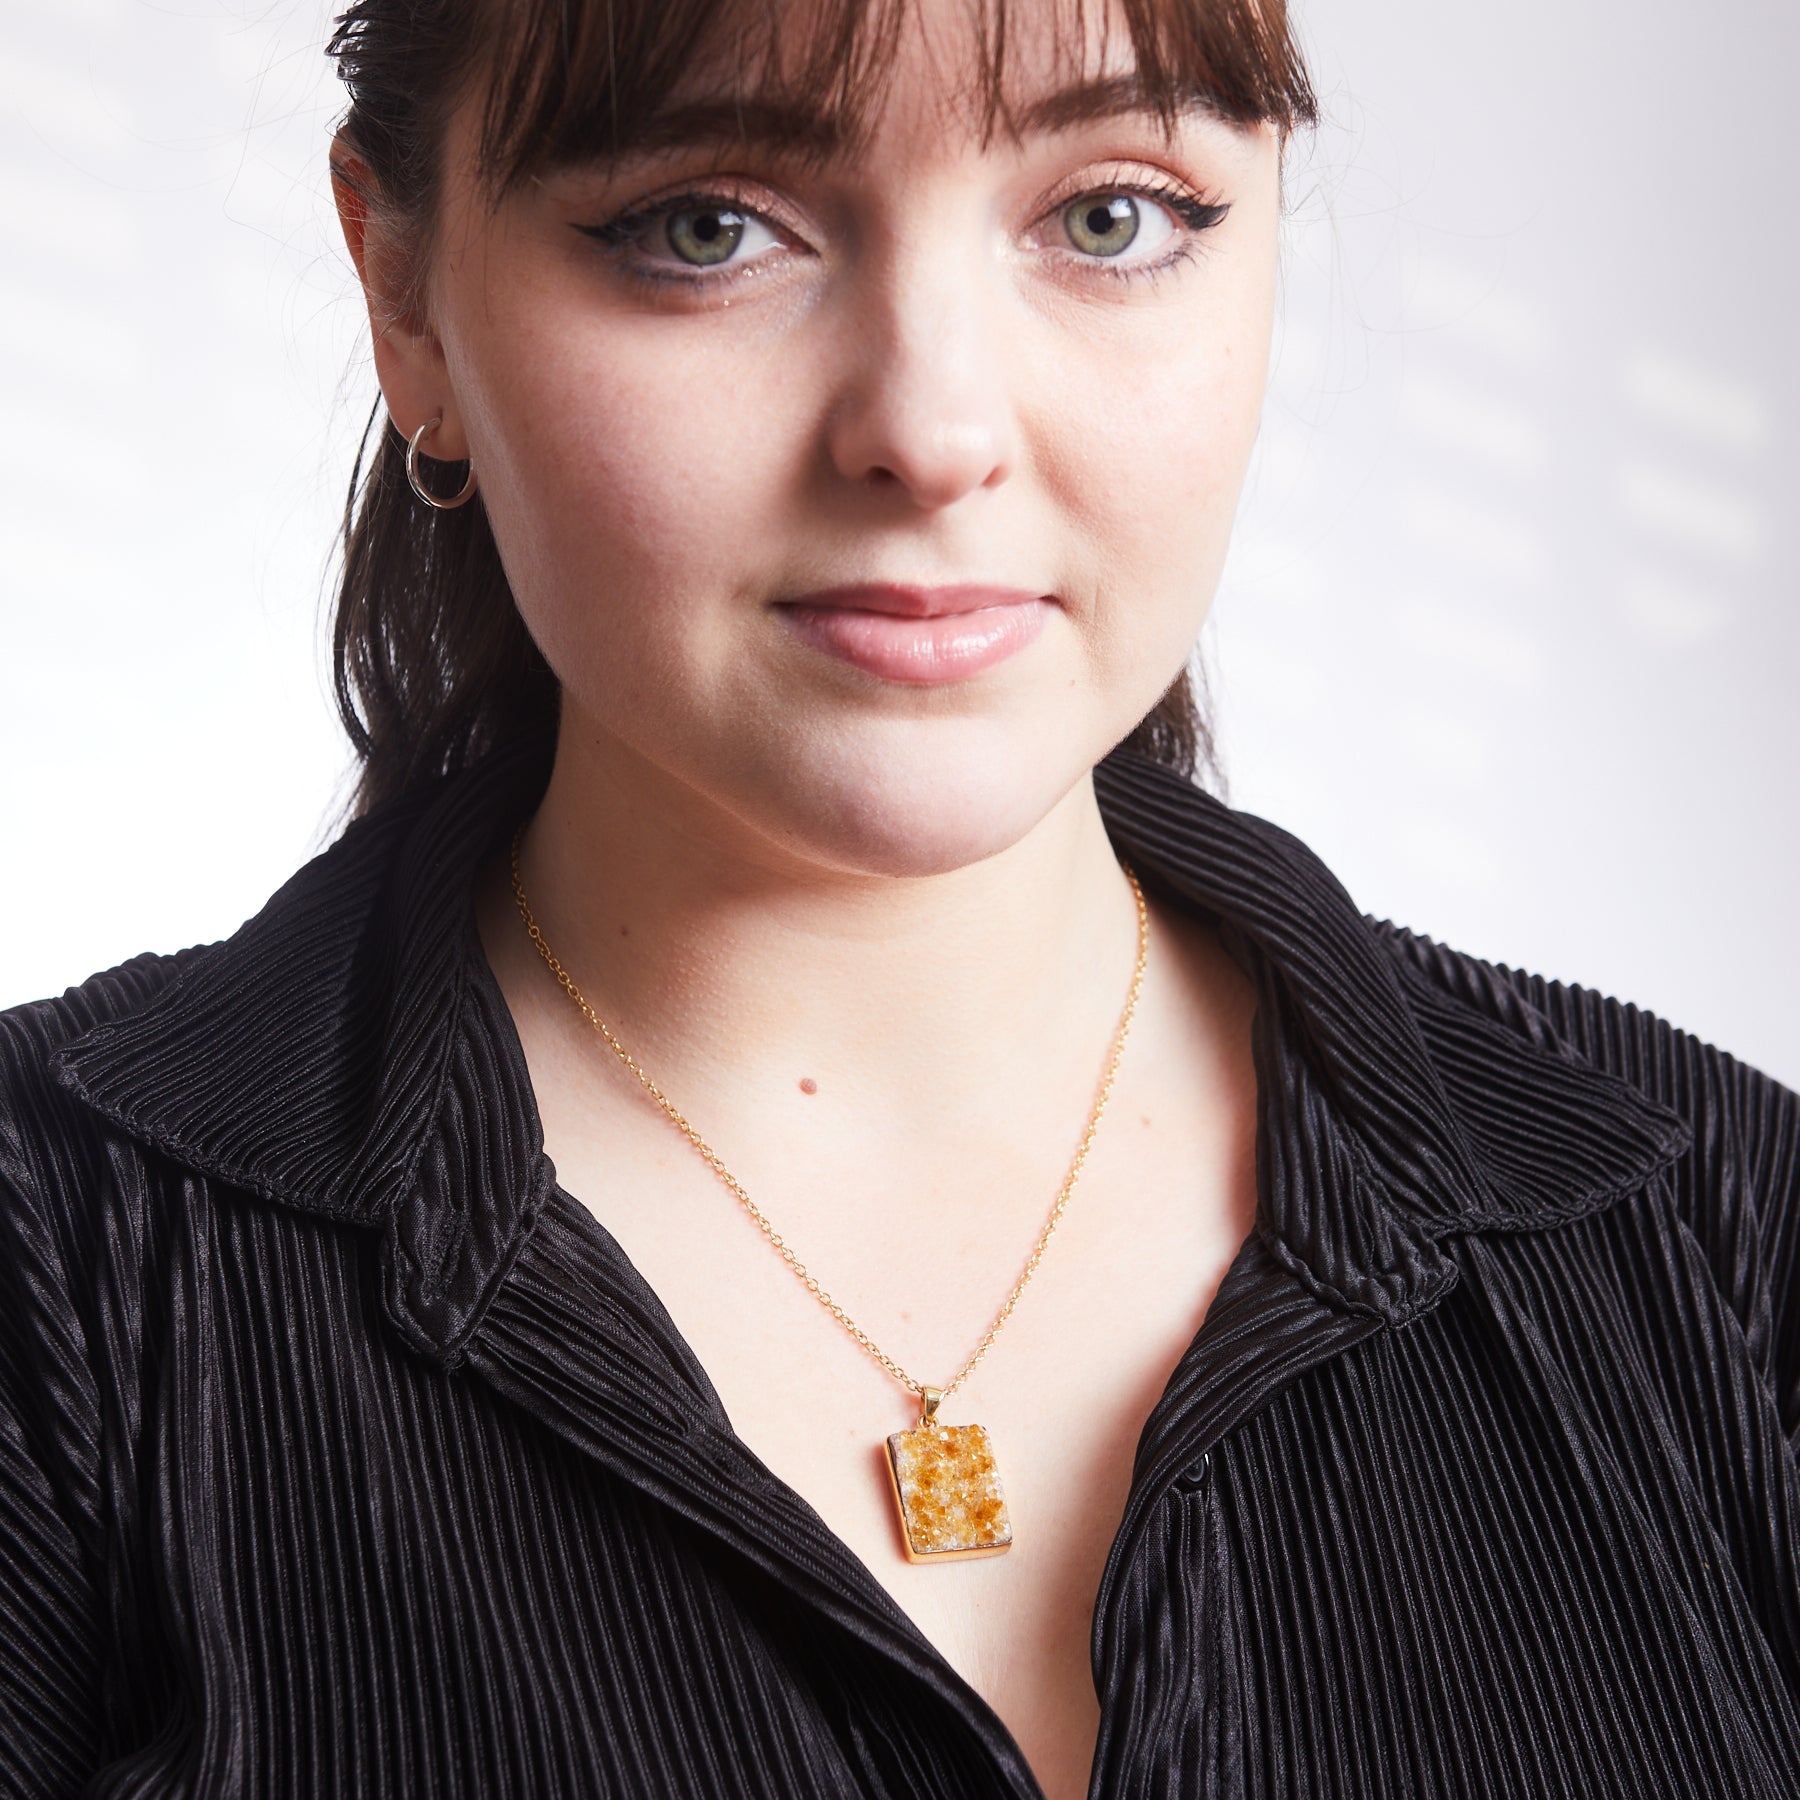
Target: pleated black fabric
{"type": "Point", "coordinates": [342, 1452]}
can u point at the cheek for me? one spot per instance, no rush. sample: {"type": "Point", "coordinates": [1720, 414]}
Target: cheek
{"type": "Point", "coordinates": [623, 483]}
{"type": "Point", "coordinates": [1175, 412]}
{"type": "Point", "coordinates": [1160, 463]}
{"type": "Point", "coordinates": [1149, 475]}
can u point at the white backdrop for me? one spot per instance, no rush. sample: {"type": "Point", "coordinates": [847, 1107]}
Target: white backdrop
{"type": "Point", "coordinates": [1508, 634]}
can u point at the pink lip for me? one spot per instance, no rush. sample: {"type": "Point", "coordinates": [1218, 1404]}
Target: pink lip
{"type": "Point", "coordinates": [916, 634]}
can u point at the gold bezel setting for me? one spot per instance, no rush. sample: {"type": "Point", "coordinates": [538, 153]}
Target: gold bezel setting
{"type": "Point", "coordinates": [947, 1488]}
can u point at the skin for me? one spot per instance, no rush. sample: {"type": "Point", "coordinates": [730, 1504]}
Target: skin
{"type": "Point", "coordinates": [767, 867]}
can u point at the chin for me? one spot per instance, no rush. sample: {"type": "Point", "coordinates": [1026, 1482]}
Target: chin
{"type": "Point", "coordinates": [926, 800]}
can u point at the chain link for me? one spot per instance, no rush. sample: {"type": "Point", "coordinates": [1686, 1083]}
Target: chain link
{"type": "Point", "coordinates": [811, 1282]}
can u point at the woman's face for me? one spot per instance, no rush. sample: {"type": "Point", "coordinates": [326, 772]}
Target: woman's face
{"type": "Point", "coordinates": [863, 502]}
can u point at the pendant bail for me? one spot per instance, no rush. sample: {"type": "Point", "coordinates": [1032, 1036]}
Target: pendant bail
{"type": "Point", "coordinates": [930, 1399]}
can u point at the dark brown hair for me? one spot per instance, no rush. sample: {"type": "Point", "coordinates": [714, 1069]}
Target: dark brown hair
{"type": "Point", "coordinates": [432, 665]}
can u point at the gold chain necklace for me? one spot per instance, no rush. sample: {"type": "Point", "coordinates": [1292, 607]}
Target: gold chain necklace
{"type": "Point", "coordinates": [945, 1481]}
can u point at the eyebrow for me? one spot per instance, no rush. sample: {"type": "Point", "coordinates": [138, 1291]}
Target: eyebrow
{"type": "Point", "coordinates": [784, 127]}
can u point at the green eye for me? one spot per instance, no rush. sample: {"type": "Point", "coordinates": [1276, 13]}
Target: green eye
{"type": "Point", "coordinates": [705, 236]}
{"type": "Point", "coordinates": [1101, 224]}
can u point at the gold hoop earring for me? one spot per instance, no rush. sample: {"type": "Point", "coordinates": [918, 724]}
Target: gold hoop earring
{"type": "Point", "coordinates": [419, 487]}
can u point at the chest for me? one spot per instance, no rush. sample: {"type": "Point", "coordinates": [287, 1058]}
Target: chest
{"type": "Point", "coordinates": [1063, 1392]}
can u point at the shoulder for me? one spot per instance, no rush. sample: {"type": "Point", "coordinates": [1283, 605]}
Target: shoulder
{"type": "Point", "coordinates": [1736, 1185]}
{"type": "Point", "coordinates": [1734, 1192]}
{"type": "Point", "coordinates": [82, 1206]}
{"type": "Point", "coordinates": [255, 1062]}
{"type": "Point", "coordinates": [54, 1118]}
{"type": "Point", "coordinates": [73, 1223]}
{"type": "Point", "coordinates": [94, 1188]}
{"type": "Point", "coordinates": [41, 1121]}
{"type": "Point", "coordinates": [1673, 1067]}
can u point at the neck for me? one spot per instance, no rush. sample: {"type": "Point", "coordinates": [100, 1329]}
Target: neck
{"type": "Point", "coordinates": [733, 967]}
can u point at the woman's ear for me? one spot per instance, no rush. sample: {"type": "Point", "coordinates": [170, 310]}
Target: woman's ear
{"type": "Point", "coordinates": [409, 360]}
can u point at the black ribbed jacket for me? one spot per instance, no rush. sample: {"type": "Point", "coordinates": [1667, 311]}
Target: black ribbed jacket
{"type": "Point", "coordinates": [341, 1452]}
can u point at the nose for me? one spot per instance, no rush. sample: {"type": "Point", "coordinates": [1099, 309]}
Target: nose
{"type": "Point", "coordinates": [924, 408]}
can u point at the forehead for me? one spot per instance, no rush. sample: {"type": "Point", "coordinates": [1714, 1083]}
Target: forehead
{"type": "Point", "coordinates": [818, 77]}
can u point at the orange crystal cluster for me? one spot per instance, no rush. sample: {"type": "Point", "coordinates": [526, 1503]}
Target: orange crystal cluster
{"type": "Point", "coordinates": [948, 1486]}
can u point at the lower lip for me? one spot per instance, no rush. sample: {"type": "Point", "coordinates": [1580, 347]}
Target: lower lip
{"type": "Point", "coordinates": [950, 647]}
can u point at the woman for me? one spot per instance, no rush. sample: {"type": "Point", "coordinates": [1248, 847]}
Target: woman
{"type": "Point", "coordinates": [1260, 1351]}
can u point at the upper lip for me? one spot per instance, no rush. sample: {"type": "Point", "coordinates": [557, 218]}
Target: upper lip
{"type": "Point", "coordinates": [906, 602]}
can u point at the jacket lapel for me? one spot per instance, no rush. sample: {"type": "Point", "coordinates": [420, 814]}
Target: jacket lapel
{"type": "Point", "coordinates": [576, 1338]}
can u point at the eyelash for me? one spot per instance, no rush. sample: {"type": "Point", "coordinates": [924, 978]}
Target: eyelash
{"type": "Point", "coordinates": [1196, 216]}
{"type": "Point", "coordinates": [616, 236]}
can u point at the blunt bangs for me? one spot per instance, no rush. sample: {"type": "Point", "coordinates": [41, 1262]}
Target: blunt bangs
{"type": "Point", "coordinates": [573, 81]}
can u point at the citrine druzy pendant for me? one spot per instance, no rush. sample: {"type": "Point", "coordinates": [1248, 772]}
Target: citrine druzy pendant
{"type": "Point", "coordinates": [948, 1490]}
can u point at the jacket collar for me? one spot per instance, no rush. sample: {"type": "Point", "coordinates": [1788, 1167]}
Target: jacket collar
{"type": "Point", "coordinates": [341, 1054]}
{"type": "Point", "coordinates": [1393, 1114]}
